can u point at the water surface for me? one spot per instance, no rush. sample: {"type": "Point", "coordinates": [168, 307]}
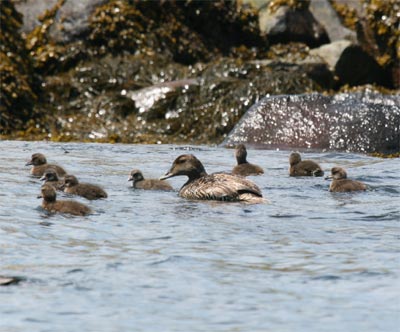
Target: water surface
{"type": "Point", "coordinates": [152, 261]}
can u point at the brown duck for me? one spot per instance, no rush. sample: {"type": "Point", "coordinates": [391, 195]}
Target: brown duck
{"type": "Point", "coordinates": [216, 186]}
{"type": "Point", "coordinates": [300, 167]}
{"type": "Point", "coordinates": [340, 182]}
{"type": "Point", "coordinates": [139, 182]}
{"type": "Point", "coordinates": [50, 203]}
{"type": "Point", "coordinates": [90, 191]}
{"type": "Point", "coordinates": [40, 165]}
{"type": "Point", "coordinates": [50, 177]}
{"type": "Point", "coordinates": [243, 167]}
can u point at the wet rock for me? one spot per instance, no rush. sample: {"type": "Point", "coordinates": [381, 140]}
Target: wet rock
{"type": "Point", "coordinates": [351, 64]}
{"type": "Point", "coordinates": [70, 23]}
{"type": "Point", "coordinates": [324, 13]}
{"type": "Point", "coordinates": [10, 280]}
{"type": "Point", "coordinates": [359, 122]}
{"type": "Point", "coordinates": [288, 24]}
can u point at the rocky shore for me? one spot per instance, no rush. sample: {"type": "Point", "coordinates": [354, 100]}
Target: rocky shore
{"type": "Point", "coordinates": [185, 71]}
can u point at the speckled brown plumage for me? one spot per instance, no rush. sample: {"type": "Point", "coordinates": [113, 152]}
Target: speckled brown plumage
{"type": "Point", "coordinates": [216, 186]}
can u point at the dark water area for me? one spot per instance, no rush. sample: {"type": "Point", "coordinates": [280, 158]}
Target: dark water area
{"type": "Point", "coordinates": [308, 260]}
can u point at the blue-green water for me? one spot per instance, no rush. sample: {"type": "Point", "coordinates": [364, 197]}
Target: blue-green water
{"type": "Point", "coordinates": [310, 260]}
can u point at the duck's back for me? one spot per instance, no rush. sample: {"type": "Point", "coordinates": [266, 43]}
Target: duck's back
{"type": "Point", "coordinates": [306, 168]}
{"type": "Point", "coordinates": [70, 207]}
{"type": "Point", "coordinates": [247, 169]}
{"type": "Point", "coordinates": [153, 184]}
{"type": "Point", "coordinates": [87, 190]}
{"type": "Point", "coordinates": [222, 187]}
{"type": "Point", "coordinates": [346, 185]}
{"type": "Point", "coordinates": [39, 170]}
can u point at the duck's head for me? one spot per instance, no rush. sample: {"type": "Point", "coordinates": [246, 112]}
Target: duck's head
{"type": "Point", "coordinates": [186, 164]}
{"type": "Point", "coordinates": [241, 154]}
{"type": "Point", "coordinates": [337, 173]}
{"type": "Point", "coordinates": [48, 193]}
{"type": "Point", "coordinates": [70, 181]}
{"type": "Point", "coordinates": [37, 159]}
{"type": "Point", "coordinates": [135, 176]}
{"type": "Point", "coordinates": [49, 175]}
{"type": "Point", "coordinates": [294, 158]}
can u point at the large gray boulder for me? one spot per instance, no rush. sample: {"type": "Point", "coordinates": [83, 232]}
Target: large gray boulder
{"type": "Point", "coordinates": [357, 122]}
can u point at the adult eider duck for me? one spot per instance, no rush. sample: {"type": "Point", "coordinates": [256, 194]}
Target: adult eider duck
{"type": "Point", "coordinates": [90, 191]}
{"type": "Point", "coordinates": [243, 167]}
{"type": "Point", "coordinates": [40, 165]}
{"type": "Point", "coordinates": [139, 182]}
{"type": "Point", "coordinates": [50, 177]}
{"type": "Point", "coordinates": [216, 186]}
{"type": "Point", "coordinates": [340, 182]}
{"type": "Point", "coordinates": [300, 167]}
{"type": "Point", "coordinates": [50, 203]}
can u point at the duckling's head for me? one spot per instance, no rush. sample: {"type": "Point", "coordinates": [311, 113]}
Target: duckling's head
{"type": "Point", "coordinates": [49, 175]}
{"type": "Point", "coordinates": [294, 158]}
{"type": "Point", "coordinates": [241, 154]}
{"type": "Point", "coordinates": [48, 193]}
{"type": "Point", "coordinates": [37, 159]}
{"type": "Point", "coordinates": [186, 164]}
{"type": "Point", "coordinates": [70, 181]}
{"type": "Point", "coordinates": [338, 173]}
{"type": "Point", "coordinates": [135, 176]}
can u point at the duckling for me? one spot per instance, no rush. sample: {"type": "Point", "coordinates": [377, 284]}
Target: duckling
{"type": "Point", "coordinates": [341, 183]}
{"type": "Point", "coordinates": [243, 167]}
{"type": "Point", "coordinates": [139, 182]}
{"type": "Point", "coordinates": [216, 186]}
{"type": "Point", "coordinates": [90, 191]}
{"type": "Point", "coordinates": [50, 203]}
{"type": "Point", "coordinates": [40, 165]}
{"type": "Point", "coordinates": [50, 177]}
{"type": "Point", "coordinates": [300, 167]}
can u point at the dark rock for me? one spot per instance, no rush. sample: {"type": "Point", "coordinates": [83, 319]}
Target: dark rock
{"type": "Point", "coordinates": [10, 280]}
{"type": "Point", "coordinates": [327, 16]}
{"type": "Point", "coordinates": [358, 122]}
{"type": "Point", "coordinates": [351, 64]}
{"type": "Point", "coordinates": [288, 24]}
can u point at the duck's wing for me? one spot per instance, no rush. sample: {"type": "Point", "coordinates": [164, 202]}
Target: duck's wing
{"type": "Point", "coordinates": [220, 186]}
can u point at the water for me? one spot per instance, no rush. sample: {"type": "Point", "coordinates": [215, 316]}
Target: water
{"type": "Point", "coordinates": [152, 261]}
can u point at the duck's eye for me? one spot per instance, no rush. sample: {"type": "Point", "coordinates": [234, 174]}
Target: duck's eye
{"type": "Point", "coordinates": [181, 161]}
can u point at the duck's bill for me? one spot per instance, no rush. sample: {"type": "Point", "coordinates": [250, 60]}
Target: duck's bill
{"type": "Point", "coordinates": [43, 178]}
{"type": "Point", "coordinates": [130, 178]}
{"type": "Point", "coordinates": [328, 177]}
{"type": "Point", "coordinates": [166, 176]}
{"type": "Point", "coordinates": [28, 163]}
{"type": "Point", "coordinates": [39, 196]}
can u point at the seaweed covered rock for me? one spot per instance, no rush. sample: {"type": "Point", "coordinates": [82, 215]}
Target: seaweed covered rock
{"type": "Point", "coordinates": [357, 122]}
{"type": "Point", "coordinates": [113, 99]}
{"type": "Point", "coordinates": [17, 95]}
